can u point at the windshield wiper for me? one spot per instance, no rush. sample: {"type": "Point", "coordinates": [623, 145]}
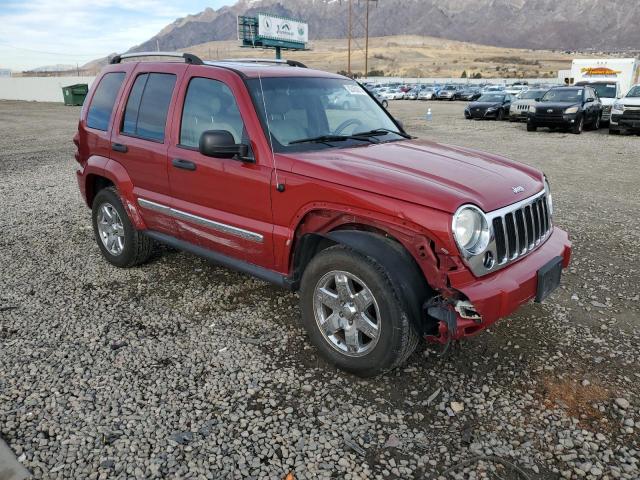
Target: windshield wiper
{"type": "Point", "coordinates": [381, 131]}
{"type": "Point", "coordinates": [333, 138]}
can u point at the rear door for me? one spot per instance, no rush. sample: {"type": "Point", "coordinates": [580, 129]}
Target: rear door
{"type": "Point", "coordinates": [140, 143]}
{"type": "Point", "coordinates": [222, 204]}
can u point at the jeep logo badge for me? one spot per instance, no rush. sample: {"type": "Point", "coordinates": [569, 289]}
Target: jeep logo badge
{"type": "Point", "coordinates": [518, 189]}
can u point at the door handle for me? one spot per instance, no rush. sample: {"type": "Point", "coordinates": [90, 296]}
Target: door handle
{"type": "Point", "coordinates": [119, 147]}
{"type": "Point", "coordinates": [183, 164]}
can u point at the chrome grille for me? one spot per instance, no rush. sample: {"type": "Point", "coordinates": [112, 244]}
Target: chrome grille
{"type": "Point", "coordinates": [516, 230]}
{"type": "Point", "coordinates": [519, 231]}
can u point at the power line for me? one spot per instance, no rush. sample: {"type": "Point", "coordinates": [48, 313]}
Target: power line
{"type": "Point", "coordinates": [6, 45]}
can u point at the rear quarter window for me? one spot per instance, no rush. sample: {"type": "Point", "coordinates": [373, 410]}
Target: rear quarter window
{"type": "Point", "coordinates": [101, 108]}
{"type": "Point", "coordinates": [146, 113]}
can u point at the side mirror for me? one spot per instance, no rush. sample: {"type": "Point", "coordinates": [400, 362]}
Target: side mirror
{"type": "Point", "coordinates": [537, 99]}
{"type": "Point", "coordinates": [220, 144]}
{"type": "Point", "coordinates": [590, 99]}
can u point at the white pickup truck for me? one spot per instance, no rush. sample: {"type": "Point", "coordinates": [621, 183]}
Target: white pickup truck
{"type": "Point", "coordinates": [611, 78]}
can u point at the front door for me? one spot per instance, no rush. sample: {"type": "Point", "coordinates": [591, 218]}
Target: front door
{"type": "Point", "coordinates": [218, 203]}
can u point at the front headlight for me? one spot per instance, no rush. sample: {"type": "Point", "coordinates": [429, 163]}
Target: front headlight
{"type": "Point", "coordinates": [571, 110]}
{"type": "Point", "coordinates": [547, 187]}
{"type": "Point", "coordinates": [492, 109]}
{"type": "Point", "coordinates": [619, 107]}
{"type": "Point", "coordinates": [471, 230]}
{"type": "Point", "coordinates": [532, 109]}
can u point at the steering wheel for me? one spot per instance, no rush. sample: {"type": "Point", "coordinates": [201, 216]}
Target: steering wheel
{"type": "Point", "coordinates": [345, 124]}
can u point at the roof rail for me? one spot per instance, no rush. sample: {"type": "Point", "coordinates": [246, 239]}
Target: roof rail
{"type": "Point", "coordinates": [188, 57]}
{"type": "Point", "coordinates": [291, 63]}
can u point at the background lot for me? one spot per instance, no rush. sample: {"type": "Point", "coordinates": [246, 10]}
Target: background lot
{"type": "Point", "coordinates": [182, 369]}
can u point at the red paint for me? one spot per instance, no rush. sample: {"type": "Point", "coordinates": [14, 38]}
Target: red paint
{"type": "Point", "coordinates": [406, 189]}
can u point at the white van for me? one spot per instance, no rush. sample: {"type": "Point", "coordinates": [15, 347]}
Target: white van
{"type": "Point", "coordinates": [611, 78]}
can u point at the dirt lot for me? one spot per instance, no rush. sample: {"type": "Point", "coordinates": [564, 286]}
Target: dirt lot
{"type": "Point", "coordinates": [181, 369]}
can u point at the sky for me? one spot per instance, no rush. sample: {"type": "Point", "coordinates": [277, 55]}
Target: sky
{"type": "Point", "coordinates": [35, 33]}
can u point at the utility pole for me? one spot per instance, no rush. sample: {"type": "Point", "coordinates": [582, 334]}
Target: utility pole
{"type": "Point", "coordinates": [366, 42]}
{"type": "Point", "coordinates": [350, 33]}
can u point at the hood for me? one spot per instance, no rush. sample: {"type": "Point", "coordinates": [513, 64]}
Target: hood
{"type": "Point", "coordinates": [484, 104]}
{"type": "Point", "coordinates": [557, 105]}
{"type": "Point", "coordinates": [524, 101]}
{"type": "Point", "coordinates": [629, 101]}
{"type": "Point", "coordinates": [425, 173]}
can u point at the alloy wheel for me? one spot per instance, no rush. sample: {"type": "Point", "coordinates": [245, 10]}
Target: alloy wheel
{"type": "Point", "coordinates": [111, 229]}
{"type": "Point", "coordinates": [347, 313]}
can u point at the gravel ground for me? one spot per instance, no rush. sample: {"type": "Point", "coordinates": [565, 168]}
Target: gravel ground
{"type": "Point", "coordinates": [182, 369]}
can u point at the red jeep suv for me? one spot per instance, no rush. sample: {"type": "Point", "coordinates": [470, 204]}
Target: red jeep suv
{"type": "Point", "coordinates": [249, 164]}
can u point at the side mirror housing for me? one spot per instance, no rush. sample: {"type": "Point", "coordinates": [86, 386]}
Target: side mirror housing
{"type": "Point", "coordinates": [537, 99]}
{"type": "Point", "coordinates": [220, 144]}
{"type": "Point", "coordinates": [590, 99]}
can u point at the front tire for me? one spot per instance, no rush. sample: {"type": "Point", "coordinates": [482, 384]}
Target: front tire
{"type": "Point", "coordinates": [353, 313]}
{"type": "Point", "coordinates": [120, 243]}
{"type": "Point", "coordinates": [577, 129]}
{"type": "Point", "coordinates": [531, 128]}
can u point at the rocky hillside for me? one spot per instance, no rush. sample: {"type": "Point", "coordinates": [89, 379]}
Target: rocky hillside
{"type": "Point", "coordinates": [549, 24]}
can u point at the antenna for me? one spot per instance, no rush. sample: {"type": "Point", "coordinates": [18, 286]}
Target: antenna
{"type": "Point", "coordinates": [279, 186]}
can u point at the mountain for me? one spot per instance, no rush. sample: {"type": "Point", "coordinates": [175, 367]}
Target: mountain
{"type": "Point", "coordinates": [537, 24]}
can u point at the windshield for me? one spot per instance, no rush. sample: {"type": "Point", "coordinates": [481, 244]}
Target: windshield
{"type": "Point", "coordinates": [634, 92]}
{"type": "Point", "coordinates": [563, 95]}
{"type": "Point", "coordinates": [299, 108]}
{"type": "Point", "coordinates": [531, 94]}
{"type": "Point", "coordinates": [605, 90]}
{"type": "Point", "coordinates": [491, 97]}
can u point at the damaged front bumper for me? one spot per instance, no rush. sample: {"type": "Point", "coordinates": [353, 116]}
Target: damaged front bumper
{"type": "Point", "coordinates": [482, 301]}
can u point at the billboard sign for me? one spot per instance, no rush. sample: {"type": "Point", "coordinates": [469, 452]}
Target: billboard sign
{"type": "Point", "coordinates": [284, 29]}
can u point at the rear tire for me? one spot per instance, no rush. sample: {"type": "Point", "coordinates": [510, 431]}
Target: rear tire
{"type": "Point", "coordinates": [336, 288]}
{"type": "Point", "coordinates": [120, 243]}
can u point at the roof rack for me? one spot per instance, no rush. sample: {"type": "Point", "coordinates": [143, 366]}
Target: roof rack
{"type": "Point", "coordinates": [188, 57]}
{"type": "Point", "coordinates": [291, 63]}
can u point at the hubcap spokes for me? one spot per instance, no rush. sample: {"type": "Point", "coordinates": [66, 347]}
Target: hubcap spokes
{"type": "Point", "coordinates": [111, 229]}
{"type": "Point", "coordinates": [347, 314]}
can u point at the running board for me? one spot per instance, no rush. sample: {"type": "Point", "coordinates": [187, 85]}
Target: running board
{"type": "Point", "coordinates": [224, 260]}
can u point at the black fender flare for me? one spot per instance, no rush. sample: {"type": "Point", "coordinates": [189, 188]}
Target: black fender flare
{"type": "Point", "coordinates": [411, 285]}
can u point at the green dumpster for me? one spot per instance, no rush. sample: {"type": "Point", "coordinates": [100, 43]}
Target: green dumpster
{"type": "Point", "coordinates": [74, 94]}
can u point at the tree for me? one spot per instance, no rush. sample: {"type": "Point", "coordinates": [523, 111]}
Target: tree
{"type": "Point", "coordinates": [464, 74]}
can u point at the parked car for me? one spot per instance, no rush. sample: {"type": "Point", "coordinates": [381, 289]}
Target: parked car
{"type": "Point", "coordinates": [468, 94]}
{"type": "Point", "coordinates": [516, 89]}
{"type": "Point", "coordinates": [519, 110]}
{"type": "Point", "coordinates": [426, 94]}
{"type": "Point", "coordinates": [383, 101]}
{"type": "Point", "coordinates": [572, 108]}
{"type": "Point", "coordinates": [392, 94]}
{"type": "Point", "coordinates": [387, 238]}
{"type": "Point", "coordinates": [625, 114]}
{"type": "Point", "coordinates": [412, 94]}
{"type": "Point", "coordinates": [493, 89]}
{"type": "Point", "coordinates": [447, 92]}
{"type": "Point", "coordinates": [608, 93]}
{"type": "Point", "coordinates": [489, 105]}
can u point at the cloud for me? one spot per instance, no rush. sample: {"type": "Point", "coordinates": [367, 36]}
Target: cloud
{"type": "Point", "coordinates": [45, 32]}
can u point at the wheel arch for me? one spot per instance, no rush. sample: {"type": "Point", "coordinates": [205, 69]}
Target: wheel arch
{"type": "Point", "coordinates": [401, 266]}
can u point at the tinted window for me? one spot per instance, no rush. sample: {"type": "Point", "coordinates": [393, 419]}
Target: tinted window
{"type": "Point", "coordinates": [147, 106]}
{"type": "Point", "coordinates": [209, 105]}
{"type": "Point", "coordinates": [101, 107]}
